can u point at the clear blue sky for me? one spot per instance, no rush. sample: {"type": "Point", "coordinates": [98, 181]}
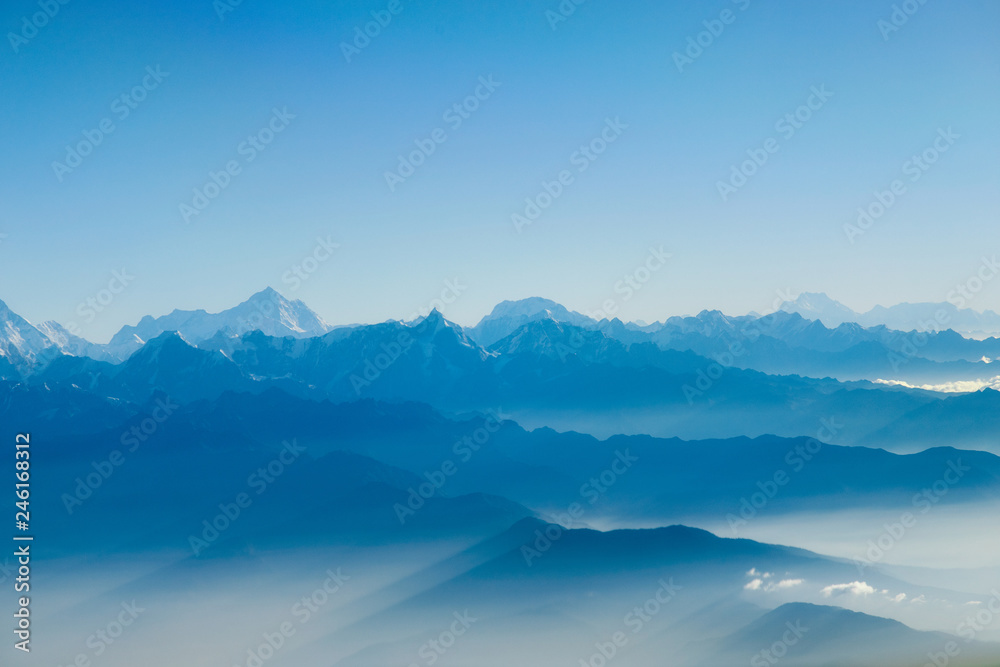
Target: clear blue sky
{"type": "Point", "coordinates": [324, 174]}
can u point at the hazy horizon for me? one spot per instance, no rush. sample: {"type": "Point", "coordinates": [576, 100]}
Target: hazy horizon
{"type": "Point", "coordinates": [108, 333]}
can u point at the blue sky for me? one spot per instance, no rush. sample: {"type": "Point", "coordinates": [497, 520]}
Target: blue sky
{"type": "Point", "coordinates": [656, 184]}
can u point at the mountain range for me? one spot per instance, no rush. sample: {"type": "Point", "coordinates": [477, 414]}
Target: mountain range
{"type": "Point", "coordinates": [540, 476]}
{"type": "Point", "coordinates": [707, 376]}
{"type": "Point", "coordinates": [903, 316]}
{"type": "Point", "coordinates": [274, 315]}
{"type": "Point", "coordinates": [267, 311]}
{"type": "Point", "coordinates": [560, 588]}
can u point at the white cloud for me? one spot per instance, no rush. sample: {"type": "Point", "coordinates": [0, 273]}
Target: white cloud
{"type": "Point", "coordinates": [958, 386]}
{"type": "Point", "coordinates": [754, 572]}
{"type": "Point", "coordinates": [899, 598]}
{"type": "Point", "coordinates": [854, 588]}
{"type": "Point", "coordinates": [758, 583]}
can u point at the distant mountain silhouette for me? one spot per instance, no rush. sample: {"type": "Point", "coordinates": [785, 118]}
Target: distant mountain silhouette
{"type": "Point", "coordinates": [813, 635]}
{"type": "Point", "coordinates": [903, 316]}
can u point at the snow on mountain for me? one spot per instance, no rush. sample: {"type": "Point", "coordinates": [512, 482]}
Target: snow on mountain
{"type": "Point", "coordinates": [21, 344]}
{"type": "Point", "coordinates": [71, 344]}
{"type": "Point", "coordinates": [265, 311]}
{"type": "Point", "coordinates": [818, 306]}
{"type": "Point", "coordinates": [508, 316]}
{"type": "Point", "coordinates": [25, 346]}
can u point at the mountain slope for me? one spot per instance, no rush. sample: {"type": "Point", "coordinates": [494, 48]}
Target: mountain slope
{"type": "Point", "coordinates": [973, 417]}
{"type": "Point", "coordinates": [592, 585]}
{"type": "Point", "coordinates": [169, 364]}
